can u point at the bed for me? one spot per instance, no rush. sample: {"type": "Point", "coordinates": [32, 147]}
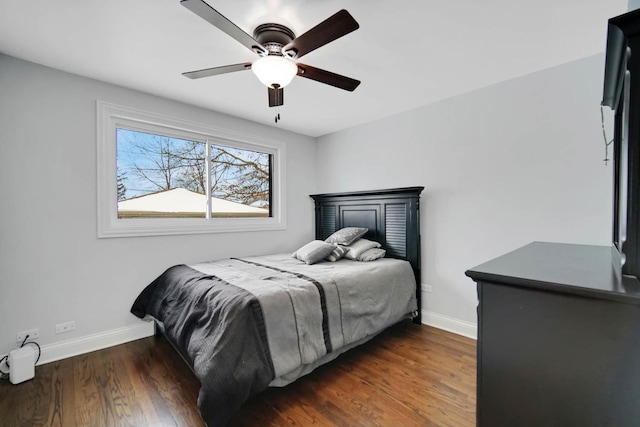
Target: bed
{"type": "Point", "coordinates": [245, 324]}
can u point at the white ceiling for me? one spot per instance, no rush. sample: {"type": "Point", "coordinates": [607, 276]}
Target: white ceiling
{"type": "Point", "coordinates": [407, 53]}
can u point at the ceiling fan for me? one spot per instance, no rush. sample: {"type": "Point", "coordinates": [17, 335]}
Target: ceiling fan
{"type": "Point", "coordinates": [278, 50]}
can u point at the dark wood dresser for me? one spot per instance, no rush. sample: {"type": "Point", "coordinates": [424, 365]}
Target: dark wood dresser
{"type": "Point", "coordinates": [558, 338]}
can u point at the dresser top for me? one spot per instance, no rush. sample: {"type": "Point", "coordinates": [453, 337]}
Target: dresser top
{"type": "Point", "coordinates": [590, 271]}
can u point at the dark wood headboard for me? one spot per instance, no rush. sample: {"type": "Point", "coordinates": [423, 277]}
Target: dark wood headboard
{"type": "Point", "coordinates": [392, 217]}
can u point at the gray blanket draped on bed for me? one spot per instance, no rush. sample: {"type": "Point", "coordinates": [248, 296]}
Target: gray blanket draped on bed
{"type": "Point", "coordinates": [205, 315]}
{"type": "Point", "coordinates": [244, 322]}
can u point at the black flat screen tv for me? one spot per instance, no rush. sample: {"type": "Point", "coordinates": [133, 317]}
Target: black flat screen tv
{"type": "Point", "coordinates": [622, 94]}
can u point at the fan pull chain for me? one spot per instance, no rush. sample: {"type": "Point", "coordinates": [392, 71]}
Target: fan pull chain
{"type": "Point", "coordinates": [277, 119]}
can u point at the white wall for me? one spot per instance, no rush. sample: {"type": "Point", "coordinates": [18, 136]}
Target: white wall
{"type": "Point", "coordinates": [502, 166]}
{"type": "Point", "coordinates": [54, 269]}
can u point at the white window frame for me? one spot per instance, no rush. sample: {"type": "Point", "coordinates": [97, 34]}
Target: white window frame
{"type": "Point", "coordinates": [112, 116]}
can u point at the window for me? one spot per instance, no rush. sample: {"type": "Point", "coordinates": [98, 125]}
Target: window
{"type": "Point", "coordinates": [164, 177]}
{"type": "Point", "coordinates": [159, 175]}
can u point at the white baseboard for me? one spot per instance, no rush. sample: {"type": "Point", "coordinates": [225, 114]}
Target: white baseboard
{"type": "Point", "coordinates": [89, 343]}
{"type": "Point", "coordinates": [460, 327]}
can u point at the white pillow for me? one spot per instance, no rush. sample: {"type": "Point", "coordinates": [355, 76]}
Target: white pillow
{"type": "Point", "coordinates": [313, 252]}
{"type": "Point", "coordinates": [372, 254]}
{"type": "Point", "coordinates": [346, 236]}
{"type": "Point", "coordinates": [359, 246]}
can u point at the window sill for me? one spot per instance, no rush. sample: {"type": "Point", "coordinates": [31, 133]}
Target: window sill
{"type": "Point", "coordinates": [168, 227]}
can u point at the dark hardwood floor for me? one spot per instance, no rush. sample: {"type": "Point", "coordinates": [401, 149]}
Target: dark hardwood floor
{"type": "Point", "coordinates": [410, 375]}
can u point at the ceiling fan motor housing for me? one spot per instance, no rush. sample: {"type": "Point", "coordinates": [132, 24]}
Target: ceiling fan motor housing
{"type": "Point", "coordinates": [273, 37]}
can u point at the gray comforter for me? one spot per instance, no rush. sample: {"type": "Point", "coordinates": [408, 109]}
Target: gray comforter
{"type": "Point", "coordinates": [248, 323]}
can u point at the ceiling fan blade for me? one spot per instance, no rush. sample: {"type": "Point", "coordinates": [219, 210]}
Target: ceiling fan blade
{"type": "Point", "coordinates": [276, 96]}
{"type": "Point", "coordinates": [209, 14]}
{"type": "Point", "coordinates": [330, 29]}
{"type": "Point", "coordinates": [207, 72]}
{"type": "Point", "coordinates": [327, 77]}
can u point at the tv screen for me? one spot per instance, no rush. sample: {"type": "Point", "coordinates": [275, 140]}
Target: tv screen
{"type": "Point", "coordinates": [622, 94]}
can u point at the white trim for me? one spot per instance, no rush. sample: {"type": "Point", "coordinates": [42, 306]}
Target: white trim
{"type": "Point", "coordinates": [144, 329]}
{"type": "Point", "coordinates": [89, 343]}
{"type": "Point", "coordinates": [110, 116]}
{"type": "Point", "coordinates": [460, 327]}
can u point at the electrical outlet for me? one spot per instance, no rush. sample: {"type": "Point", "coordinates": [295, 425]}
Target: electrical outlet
{"type": "Point", "coordinates": [33, 334]}
{"type": "Point", "coordinates": [426, 288]}
{"type": "Point", "coordinates": [65, 327]}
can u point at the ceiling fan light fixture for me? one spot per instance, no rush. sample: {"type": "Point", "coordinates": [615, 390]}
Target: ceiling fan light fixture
{"type": "Point", "coordinates": [274, 70]}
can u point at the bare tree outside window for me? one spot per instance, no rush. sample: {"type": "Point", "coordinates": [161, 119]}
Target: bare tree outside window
{"type": "Point", "coordinates": [160, 176]}
{"type": "Point", "coordinates": [240, 175]}
{"type": "Point", "coordinates": [121, 188]}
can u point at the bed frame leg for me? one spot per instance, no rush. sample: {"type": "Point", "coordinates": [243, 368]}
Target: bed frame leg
{"type": "Point", "coordinates": [418, 318]}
